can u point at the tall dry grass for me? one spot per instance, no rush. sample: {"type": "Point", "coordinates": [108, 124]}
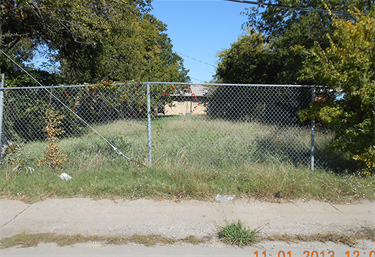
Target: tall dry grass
{"type": "Point", "coordinates": [193, 158]}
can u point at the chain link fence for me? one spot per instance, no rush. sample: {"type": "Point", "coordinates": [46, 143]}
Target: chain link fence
{"type": "Point", "coordinates": [223, 124]}
{"type": "Point", "coordinates": [211, 125]}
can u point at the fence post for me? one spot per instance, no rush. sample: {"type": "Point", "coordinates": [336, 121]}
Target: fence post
{"type": "Point", "coordinates": [1, 107]}
{"type": "Point", "coordinates": [149, 125]}
{"type": "Point", "coordinates": [312, 133]}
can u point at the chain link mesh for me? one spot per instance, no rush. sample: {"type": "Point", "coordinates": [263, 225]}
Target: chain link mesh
{"type": "Point", "coordinates": [219, 125]}
{"type": "Point", "coordinates": [98, 124]}
{"type": "Point", "coordinates": [207, 124]}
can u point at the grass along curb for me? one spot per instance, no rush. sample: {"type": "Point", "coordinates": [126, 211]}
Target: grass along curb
{"type": "Point", "coordinates": [272, 182]}
{"type": "Point", "coordinates": [31, 240]}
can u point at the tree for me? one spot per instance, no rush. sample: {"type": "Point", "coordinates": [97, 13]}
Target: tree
{"type": "Point", "coordinates": [280, 29]}
{"type": "Point", "coordinates": [286, 27]}
{"type": "Point", "coordinates": [90, 40]}
{"type": "Point", "coordinates": [249, 60]}
{"type": "Point", "coordinates": [347, 67]}
{"type": "Point", "coordinates": [145, 55]}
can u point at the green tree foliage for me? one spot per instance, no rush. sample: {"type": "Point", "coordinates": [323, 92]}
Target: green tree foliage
{"type": "Point", "coordinates": [280, 29]}
{"type": "Point", "coordinates": [286, 27]}
{"type": "Point", "coordinates": [249, 60]}
{"type": "Point", "coordinates": [92, 40]}
{"type": "Point", "coordinates": [347, 66]}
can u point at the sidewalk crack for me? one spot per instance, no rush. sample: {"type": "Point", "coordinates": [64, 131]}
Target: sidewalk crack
{"type": "Point", "coordinates": [354, 219]}
{"type": "Point", "coordinates": [16, 216]}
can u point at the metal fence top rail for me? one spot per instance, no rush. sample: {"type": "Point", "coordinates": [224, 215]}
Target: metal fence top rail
{"type": "Point", "coordinates": [165, 83]}
{"type": "Point", "coordinates": [229, 84]}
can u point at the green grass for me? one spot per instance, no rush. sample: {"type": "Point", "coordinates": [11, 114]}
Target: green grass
{"type": "Point", "coordinates": [193, 159]}
{"type": "Point", "coordinates": [237, 234]}
{"type": "Point", "coordinates": [175, 182]}
{"type": "Point", "coordinates": [222, 142]}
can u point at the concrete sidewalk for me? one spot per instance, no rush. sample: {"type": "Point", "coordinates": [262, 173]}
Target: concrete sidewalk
{"type": "Point", "coordinates": [178, 220]}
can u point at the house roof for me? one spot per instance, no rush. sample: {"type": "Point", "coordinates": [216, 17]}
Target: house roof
{"type": "Point", "coordinates": [198, 90]}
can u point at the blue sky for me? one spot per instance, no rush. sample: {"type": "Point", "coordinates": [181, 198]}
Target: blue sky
{"type": "Point", "coordinates": [200, 29]}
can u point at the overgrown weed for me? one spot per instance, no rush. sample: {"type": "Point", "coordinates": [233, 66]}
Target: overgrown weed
{"type": "Point", "coordinates": [195, 171]}
{"type": "Point", "coordinates": [278, 182]}
{"type": "Point", "coordinates": [237, 234]}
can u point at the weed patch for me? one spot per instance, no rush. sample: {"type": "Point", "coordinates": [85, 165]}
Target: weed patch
{"type": "Point", "coordinates": [237, 234]}
{"type": "Point", "coordinates": [194, 240]}
{"type": "Point", "coordinates": [32, 240]}
{"type": "Point", "coordinates": [349, 238]}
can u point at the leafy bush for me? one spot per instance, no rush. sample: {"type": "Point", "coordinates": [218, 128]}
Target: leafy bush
{"type": "Point", "coordinates": [347, 68]}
